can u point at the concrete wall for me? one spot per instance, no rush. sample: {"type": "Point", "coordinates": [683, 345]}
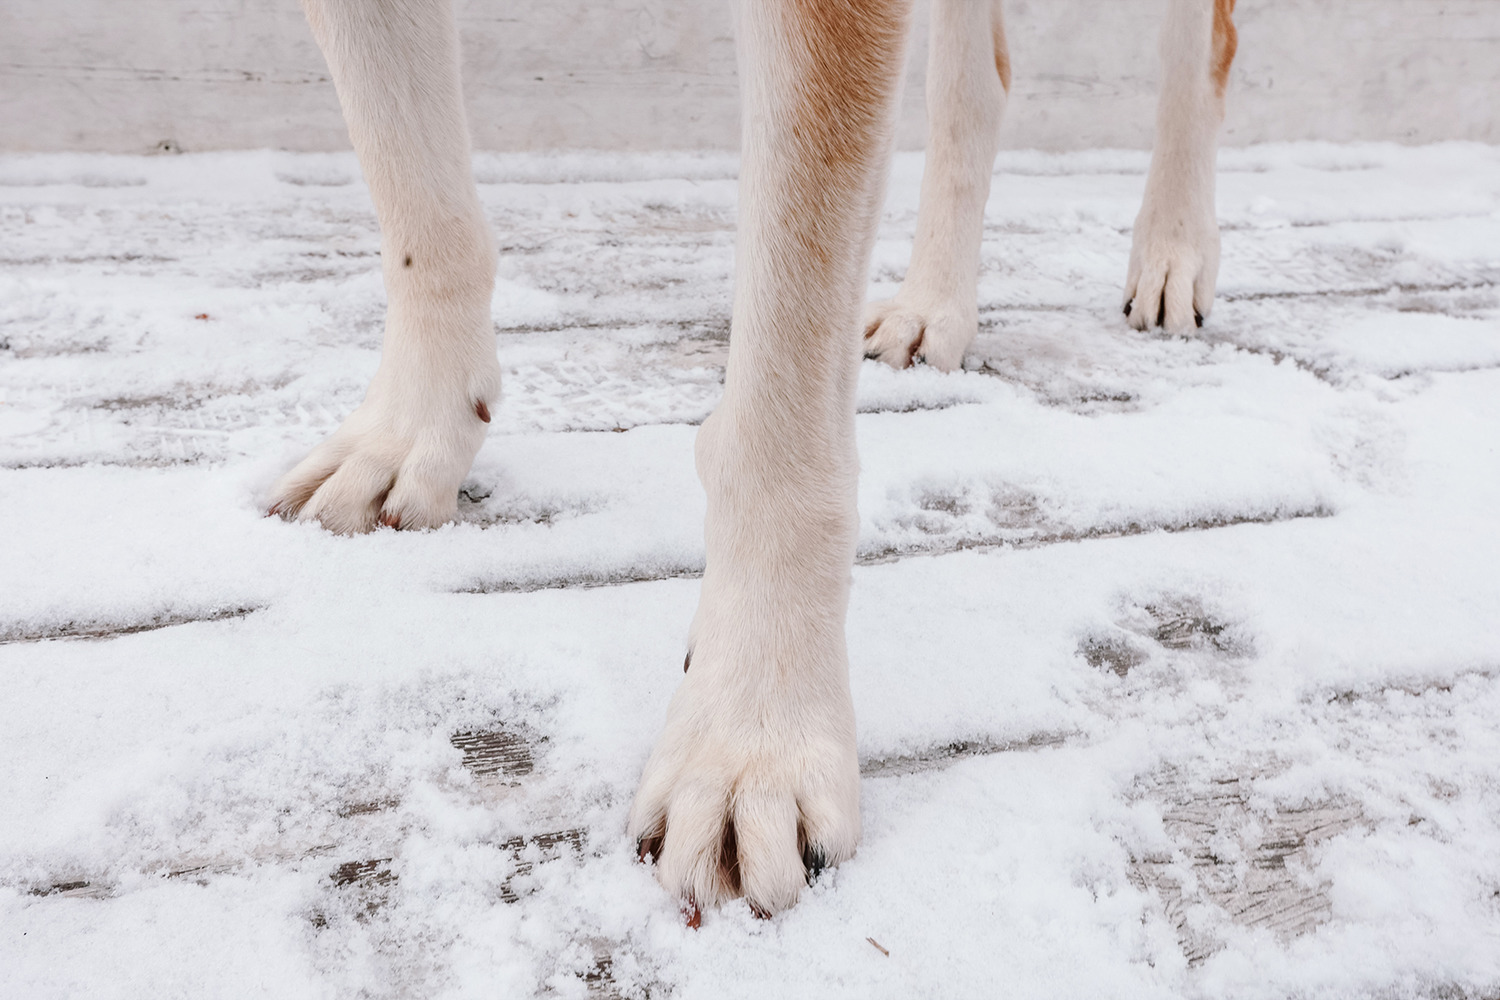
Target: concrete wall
{"type": "Point", "coordinates": [131, 75]}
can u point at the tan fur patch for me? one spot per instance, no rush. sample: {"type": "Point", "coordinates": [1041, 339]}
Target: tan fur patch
{"type": "Point", "coordinates": [848, 57]}
{"type": "Point", "coordinates": [1226, 40]}
{"type": "Point", "coordinates": [1002, 55]}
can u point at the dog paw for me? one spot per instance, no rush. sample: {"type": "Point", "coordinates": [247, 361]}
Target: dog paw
{"type": "Point", "coordinates": [902, 335]}
{"type": "Point", "coordinates": [1174, 263]}
{"type": "Point", "coordinates": [748, 792]}
{"type": "Point", "coordinates": [398, 460]}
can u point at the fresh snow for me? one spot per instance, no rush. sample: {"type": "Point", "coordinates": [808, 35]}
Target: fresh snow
{"type": "Point", "coordinates": [1176, 660]}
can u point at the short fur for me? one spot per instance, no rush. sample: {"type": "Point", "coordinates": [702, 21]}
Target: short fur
{"type": "Point", "coordinates": [754, 783]}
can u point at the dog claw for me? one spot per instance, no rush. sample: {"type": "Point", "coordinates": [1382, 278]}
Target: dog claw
{"type": "Point", "coordinates": [1198, 318]}
{"type": "Point", "coordinates": [813, 862]}
{"type": "Point", "coordinates": [391, 520]}
{"type": "Point", "coordinates": [481, 410]}
{"type": "Point", "coordinates": [692, 916]}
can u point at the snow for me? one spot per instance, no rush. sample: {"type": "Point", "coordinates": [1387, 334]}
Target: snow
{"type": "Point", "coordinates": [1176, 659]}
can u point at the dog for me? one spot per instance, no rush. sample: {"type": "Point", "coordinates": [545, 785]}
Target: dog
{"type": "Point", "coordinates": [754, 783]}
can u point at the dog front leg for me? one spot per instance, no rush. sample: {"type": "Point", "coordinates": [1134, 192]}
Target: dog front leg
{"type": "Point", "coordinates": [401, 456]}
{"type": "Point", "coordinates": [754, 782]}
{"type": "Point", "coordinates": [935, 315]}
{"type": "Point", "coordinates": [1174, 254]}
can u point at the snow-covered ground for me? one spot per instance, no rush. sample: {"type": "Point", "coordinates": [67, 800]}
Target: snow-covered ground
{"type": "Point", "coordinates": [1177, 660]}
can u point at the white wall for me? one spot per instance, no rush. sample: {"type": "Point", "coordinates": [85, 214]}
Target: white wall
{"type": "Point", "coordinates": [128, 75]}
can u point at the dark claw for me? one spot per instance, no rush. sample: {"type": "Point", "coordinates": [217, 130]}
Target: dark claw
{"type": "Point", "coordinates": [914, 355]}
{"type": "Point", "coordinates": [647, 849]}
{"type": "Point", "coordinates": [1161, 309]}
{"type": "Point", "coordinates": [813, 861]}
{"type": "Point", "coordinates": [692, 915]}
{"type": "Point", "coordinates": [760, 914]}
{"type": "Point", "coordinates": [871, 356]}
{"type": "Point", "coordinates": [1198, 318]}
{"type": "Point", "coordinates": [1127, 308]}
{"type": "Point", "coordinates": [275, 510]}
{"type": "Point", "coordinates": [687, 661]}
{"type": "Point", "coordinates": [482, 410]}
{"type": "Point", "coordinates": [391, 520]}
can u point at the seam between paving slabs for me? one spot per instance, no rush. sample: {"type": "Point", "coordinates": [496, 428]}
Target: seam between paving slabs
{"type": "Point", "coordinates": [893, 554]}
{"type": "Point", "coordinates": [98, 629]}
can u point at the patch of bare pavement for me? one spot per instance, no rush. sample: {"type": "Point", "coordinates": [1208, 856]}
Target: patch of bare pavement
{"type": "Point", "coordinates": [1252, 867]}
{"type": "Point", "coordinates": [1174, 622]}
{"type": "Point", "coordinates": [74, 889]}
{"type": "Point", "coordinates": [497, 753]}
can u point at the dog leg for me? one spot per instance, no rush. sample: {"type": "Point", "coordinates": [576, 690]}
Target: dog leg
{"type": "Point", "coordinates": [754, 782]}
{"type": "Point", "coordinates": [1174, 254]}
{"type": "Point", "coordinates": [935, 316]}
{"type": "Point", "coordinates": [401, 456]}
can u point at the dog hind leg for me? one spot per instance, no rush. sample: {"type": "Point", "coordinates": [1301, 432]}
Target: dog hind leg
{"type": "Point", "coordinates": [754, 781]}
{"type": "Point", "coordinates": [935, 315]}
{"type": "Point", "coordinates": [401, 456]}
{"type": "Point", "coordinates": [1174, 255]}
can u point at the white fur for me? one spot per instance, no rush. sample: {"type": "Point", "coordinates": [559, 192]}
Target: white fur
{"type": "Point", "coordinates": [758, 750]}
{"type": "Point", "coordinates": [935, 315]}
{"type": "Point", "coordinates": [761, 734]}
{"type": "Point", "coordinates": [402, 455]}
{"type": "Point", "coordinates": [1174, 254]}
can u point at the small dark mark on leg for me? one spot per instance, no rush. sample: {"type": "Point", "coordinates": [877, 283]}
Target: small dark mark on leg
{"type": "Point", "coordinates": [687, 661]}
{"type": "Point", "coordinates": [1161, 309]}
{"type": "Point", "coordinates": [482, 410]}
{"type": "Point", "coordinates": [407, 262]}
{"type": "Point", "coordinates": [1198, 318]}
